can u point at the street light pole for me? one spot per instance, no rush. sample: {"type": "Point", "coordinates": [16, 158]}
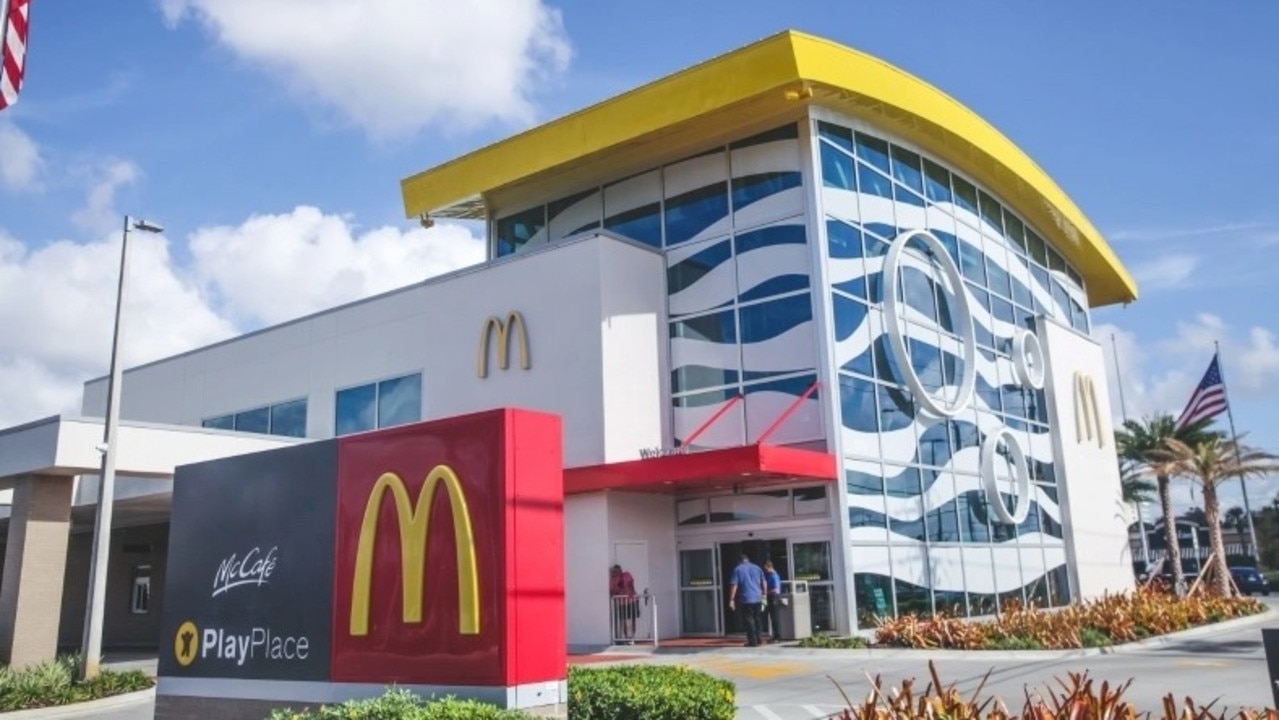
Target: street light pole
{"type": "Point", "coordinates": [91, 648]}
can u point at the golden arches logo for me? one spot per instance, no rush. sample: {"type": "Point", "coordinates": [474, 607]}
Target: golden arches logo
{"type": "Point", "coordinates": [414, 525]}
{"type": "Point", "coordinates": [512, 325]}
{"type": "Point", "coordinates": [1088, 425]}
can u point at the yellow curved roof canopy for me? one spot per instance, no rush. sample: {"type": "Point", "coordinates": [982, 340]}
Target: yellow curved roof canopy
{"type": "Point", "coordinates": [772, 79]}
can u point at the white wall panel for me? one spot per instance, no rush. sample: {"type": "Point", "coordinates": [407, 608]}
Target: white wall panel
{"type": "Point", "coordinates": [1095, 515]}
{"type": "Point", "coordinates": [649, 518]}
{"type": "Point", "coordinates": [578, 323]}
{"type": "Point", "coordinates": [586, 565]}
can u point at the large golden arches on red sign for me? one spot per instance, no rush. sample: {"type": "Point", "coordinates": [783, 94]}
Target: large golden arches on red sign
{"type": "Point", "coordinates": [414, 526]}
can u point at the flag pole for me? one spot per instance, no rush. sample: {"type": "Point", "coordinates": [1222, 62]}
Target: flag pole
{"type": "Point", "coordinates": [1119, 378]}
{"type": "Point", "coordinates": [1243, 485]}
{"type": "Point", "coordinates": [4, 23]}
{"type": "Point", "coordinates": [1123, 410]}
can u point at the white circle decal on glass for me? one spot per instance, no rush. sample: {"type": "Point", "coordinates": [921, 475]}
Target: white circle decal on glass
{"type": "Point", "coordinates": [1021, 476]}
{"type": "Point", "coordinates": [1028, 360]}
{"type": "Point", "coordinates": [958, 300]}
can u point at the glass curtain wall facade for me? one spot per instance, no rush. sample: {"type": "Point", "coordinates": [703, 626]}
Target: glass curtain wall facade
{"type": "Point", "coordinates": [732, 223]}
{"type": "Point", "coordinates": [924, 537]}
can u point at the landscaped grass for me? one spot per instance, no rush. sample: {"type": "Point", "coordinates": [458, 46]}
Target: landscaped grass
{"type": "Point", "coordinates": [54, 683]}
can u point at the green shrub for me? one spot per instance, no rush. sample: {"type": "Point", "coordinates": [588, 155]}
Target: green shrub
{"type": "Point", "coordinates": [648, 692]}
{"type": "Point", "coordinates": [1013, 642]}
{"type": "Point", "coordinates": [54, 682]}
{"type": "Point", "coordinates": [1091, 637]}
{"type": "Point", "coordinates": [831, 642]}
{"type": "Point", "coordinates": [403, 705]}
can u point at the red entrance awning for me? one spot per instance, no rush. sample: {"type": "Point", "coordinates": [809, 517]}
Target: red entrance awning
{"type": "Point", "coordinates": [747, 465]}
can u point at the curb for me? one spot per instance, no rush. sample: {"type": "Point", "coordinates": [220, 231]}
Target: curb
{"type": "Point", "coordinates": [84, 709]}
{"type": "Point", "coordinates": [793, 651]}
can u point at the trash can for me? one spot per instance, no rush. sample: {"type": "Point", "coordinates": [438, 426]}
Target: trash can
{"type": "Point", "coordinates": [794, 616]}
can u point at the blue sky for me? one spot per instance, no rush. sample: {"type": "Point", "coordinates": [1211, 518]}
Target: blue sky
{"type": "Point", "coordinates": [269, 137]}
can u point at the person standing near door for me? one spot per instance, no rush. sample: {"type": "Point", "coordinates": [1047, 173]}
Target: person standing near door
{"type": "Point", "coordinates": [747, 584]}
{"type": "Point", "coordinates": [773, 582]}
{"type": "Point", "coordinates": [621, 590]}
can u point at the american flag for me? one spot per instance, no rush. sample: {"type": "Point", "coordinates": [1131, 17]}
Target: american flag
{"type": "Point", "coordinates": [1209, 399]}
{"type": "Point", "coordinates": [13, 51]}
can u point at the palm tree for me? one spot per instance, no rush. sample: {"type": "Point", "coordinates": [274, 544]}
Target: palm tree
{"type": "Point", "coordinates": [1145, 443]}
{"type": "Point", "coordinates": [1235, 518]}
{"type": "Point", "coordinates": [1209, 463]}
{"type": "Point", "coordinates": [1136, 488]}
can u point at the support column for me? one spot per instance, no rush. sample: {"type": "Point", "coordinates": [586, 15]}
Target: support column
{"type": "Point", "coordinates": [34, 565]}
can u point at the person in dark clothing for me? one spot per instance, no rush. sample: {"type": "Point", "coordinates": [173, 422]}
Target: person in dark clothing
{"type": "Point", "coordinates": [773, 581]}
{"type": "Point", "coordinates": [747, 585]}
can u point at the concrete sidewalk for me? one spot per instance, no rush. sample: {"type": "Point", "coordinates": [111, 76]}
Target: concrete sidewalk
{"type": "Point", "coordinates": [1225, 662]}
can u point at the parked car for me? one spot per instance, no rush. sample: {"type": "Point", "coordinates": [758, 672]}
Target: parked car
{"type": "Point", "coordinates": [1250, 580]}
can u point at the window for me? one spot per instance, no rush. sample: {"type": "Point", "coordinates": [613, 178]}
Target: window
{"type": "Point", "coordinates": [140, 589]}
{"type": "Point", "coordinates": [287, 419]}
{"type": "Point", "coordinates": [938, 181]}
{"type": "Point", "coordinates": [837, 168]}
{"type": "Point", "coordinates": [514, 231]}
{"type": "Point", "coordinates": [873, 150]}
{"type": "Point", "coordinates": [377, 405]}
{"type": "Point", "coordinates": [906, 169]}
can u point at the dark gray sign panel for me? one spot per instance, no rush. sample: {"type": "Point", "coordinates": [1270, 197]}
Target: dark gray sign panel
{"type": "Point", "coordinates": [1270, 636]}
{"type": "Point", "coordinates": [250, 567]}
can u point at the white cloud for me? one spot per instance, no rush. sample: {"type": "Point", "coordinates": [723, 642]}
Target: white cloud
{"type": "Point", "coordinates": [20, 160]}
{"type": "Point", "coordinates": [1159, 375]}
{"type": "Point", "coordinates": [275, 267]}
{"type": "Point", "coordinates": [1257, 362]}
{"type": "Point", "coordinates": [57, 299]}
{"type": "Point", "coordinates": [1177, 233]}
{"type": "Point", "coordinates": [99, 214]}
{"type": "Point", "coordinates": [395, 66]}
{"type": "Point", "coordinates": [1166, 272]}
{"type": "Point", "coordinates": [57, 306]}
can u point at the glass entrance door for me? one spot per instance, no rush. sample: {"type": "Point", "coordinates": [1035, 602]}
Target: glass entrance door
{"type": "Point", "coordinates": [699, 593]}
{"type": "Point", "coordinates": [759, 551]}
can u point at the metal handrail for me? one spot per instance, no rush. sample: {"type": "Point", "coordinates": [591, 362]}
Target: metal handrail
{"type": "Point", "coordinates": [618, 606]}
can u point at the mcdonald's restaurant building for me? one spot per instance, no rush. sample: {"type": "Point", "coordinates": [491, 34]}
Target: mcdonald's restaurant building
{"type": "Point", "coordinates": [792, 302]}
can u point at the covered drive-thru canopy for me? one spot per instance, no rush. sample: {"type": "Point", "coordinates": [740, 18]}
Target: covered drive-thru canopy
{"type": "Point", "coordinates": [40, 463]}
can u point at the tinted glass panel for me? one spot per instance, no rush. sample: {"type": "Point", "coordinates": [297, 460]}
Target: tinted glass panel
{"type": "Point", "coordinates": [991, 212]}
{"type": "Point", "coordinates": [225, 422]}
{"type": "Point", "coordinates": [907, 169]}
{"type": "Point", "coordinates": [843, 137]}
{"type": "Point", "coordinates": [857, 404]}
{"type": "Point", "coordinates": [254, 421]}
{"type": "Point", "coordinates": [515, 230]}
{"type": "Point", "coordinates": [753, 188]}
{"type": "Point", "coordinates": [643, 224]}
{"type": "Point", "coordinates": [965, 194]}
{"type": "Point", "coordinates": [872, 182]}
{"type": "Point", "coordinates": [289, 419]}
{"type": "Point", "coordinates": [690, 213]}
{"type": "Point", "coordinates": [837, 169]}
{"type": "Point", "coordinates": [874, 151]}
{"type": "Point", "coordinates": [399, 401]}
{"type": "Point", "coordinates": [810, 501]}
{"type": "Point", "coordinates": [356, 409]}
{"type": "Point", "coordinates": [937, 182]}
{"type": "Point", "coordinates": [770, 319]}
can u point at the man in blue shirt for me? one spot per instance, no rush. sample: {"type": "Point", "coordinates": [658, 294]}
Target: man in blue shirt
{"type": "Point", "coordinates": [773, 580]}
{"type": "Point", "coordinates": [748, 582]}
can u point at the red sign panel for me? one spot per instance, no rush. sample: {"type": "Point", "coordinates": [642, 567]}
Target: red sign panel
{"type": "Point", "coordinates": [449, 566]}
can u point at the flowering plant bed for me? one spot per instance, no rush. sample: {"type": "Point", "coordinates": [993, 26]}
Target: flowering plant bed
{"type": "Point", "coordinates": [1110, 620]}
{"type": "Point", "coordinates": [1077, 697]}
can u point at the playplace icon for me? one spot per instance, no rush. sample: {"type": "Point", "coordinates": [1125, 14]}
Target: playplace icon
{"type": "Point", "coordinates": [186, 643]}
